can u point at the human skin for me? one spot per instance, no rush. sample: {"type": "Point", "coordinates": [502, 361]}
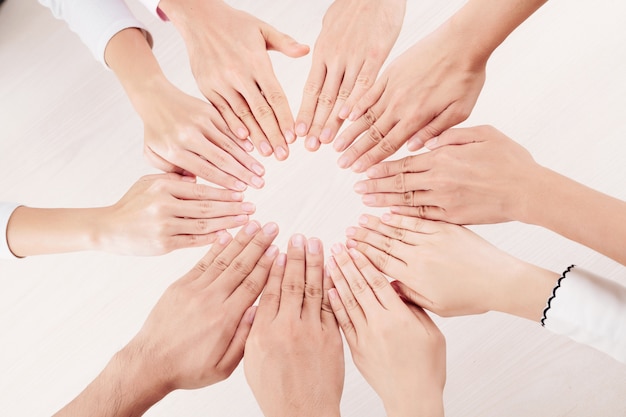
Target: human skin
{"type": "Point", "coordinates": [431, 87]}
{"type": "Point", "coordinates": [417, 253]}
{"type": "Point", "coordinates": [158, 214]}
{"type": "Point", "coordinates": [233, 70]}
{"type": "Point", "coordinates": [294, 356]}
{"type": "Point", "coordinates": [194, 336]}
{"type": "Point", "coordinates": [479, 175]}
{"type": "Point", "coordinates": [396, 346]}
{"type": "Point", "coordinates": [355, 41]}
{"type": "Point", "coordinates": [182, 134]}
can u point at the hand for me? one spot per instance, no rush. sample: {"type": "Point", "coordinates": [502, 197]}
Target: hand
{"type": "Point", "coordinates": [428, 89]}
{"type": "Point", "coordinates": [294, 356]}
{"type": "Point", "coordinates": [230, 62]}
{"type": "Point", "coordinates": [488, 179]}
{"type": "Point", "coordinates": [356, 38]}
{"type": "Point", "coordinates": [449, 269]}
{"type": "Point", "coordinates": [164, 212]}
{"type": "Point", "coordinates": [396, 346]}
{"type": "Point", "coordinates": [185, 135]}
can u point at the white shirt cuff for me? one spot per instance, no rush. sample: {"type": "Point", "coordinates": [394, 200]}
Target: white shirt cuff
{"type": "Point", "coordinates": [590, 310]}
{"type": "Point", "coordinates": [6, 210]}
{"type": "Point", "coordinates": [153, 7]}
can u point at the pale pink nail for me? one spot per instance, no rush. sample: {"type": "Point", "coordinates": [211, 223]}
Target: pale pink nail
{"type": "Point", "coordinates": [242, 133]}
{"type": "Point", "coordinates": [343, 162]}
{"type": "Point", "coordinates": [311, 143]}
{"type": "Point", "coordinates": [431, 143]}
{"type": "Point", "coordinates": [258, 169]}
{"type": "Point", "coordinates": [270, 229]}
{"type": "Point", "coordinates": [297, 241]}
{"type": "Point", "coordinates": [337, 248]}
{"type": "Point", "coordinates": [257, 182]}
{"type": "Point", "coordinates": [281, 260]}
{"type": "Point", "coordinates": [350, 231]}
{"type": "Point", "coordinates": [326, 134]}
{"type": "Point", "coordinates": [339, 144]}
{"type": "Point", "coordinates": [363, 220]}
{"type": "Point", "coordinates": [281, 153]}
{"type": "Point", "coordinates": [240, 186]}
{"type": "Point", "coordinates": [265, 148]}
{"type": "Point", "coordinates": [314, 246]}
{"type": "Point", "coordinates": [242, 218]}
{"type": "Point", "coordinates": [290, 137]}
{"type": "Point", "coordinates": [360, 187]}
{"type": "Point", "coordinates": [271, 251]}
{"type": "Point", "coordinates": [251, 228]}
{"type": "Point", "coordinates": [301, 129]}
{"type": "Point", "coordinates": [248, 207]}
{"type": "Point", "coordinates": [344, 112]}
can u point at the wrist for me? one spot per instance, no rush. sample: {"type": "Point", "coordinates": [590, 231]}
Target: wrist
{"type": "Point", "coordinates": [427, 404]}
{"type": "Point", "coordinates": [176, 10]}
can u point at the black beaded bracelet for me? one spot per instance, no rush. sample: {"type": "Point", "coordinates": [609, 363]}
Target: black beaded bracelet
{"type": "Point", "coordinates": [557, 286]}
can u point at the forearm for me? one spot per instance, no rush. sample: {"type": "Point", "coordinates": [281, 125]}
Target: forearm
{"type": "Point", "coordinates": [33, 231]}
{"type": "Point", "coordinates": [420, 404]}
{"type": "Point", "coordinates": [577, 212]}
{"type": "Point", "coordinates": [123, 388]}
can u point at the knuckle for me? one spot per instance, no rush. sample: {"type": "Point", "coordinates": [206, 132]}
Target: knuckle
{"type": "Point", "coordinates": [381, 260]}
{"type": "Point", "coordinates": [241, 266]}
{"type": "Point", "coordinates": [388, 147]}
{"type": "Point", "coordinates": [296, 288]}
{"type": "Point", "coordinates": [370, 117]}
{"type": "Point", "coordinates": [387, 245]}
{"type": "Point", "coordinates": [202, 266]}
{"type": "Point", "coordinates": [243, 112]}
{"type": "Point", "coordinates": [358, 286]}
{"type": "Point", "coordinates": [398, 234]}
{"type": "Point", "coordinates": [313, 291]}
{"type": "Point", "coordinates": [343, 94]}
{"type": "Point", "coordinates": [405, 164]}
{"type": "Point", "coordinates": [407, 198]}
{"type": "Point", "coordinates": [220, 263]}
{"type": "Point", "coordinates": [325, 100]}
{"type": "Point", "coordinates": [200, 192]}
{"type": "Point", "coordinates": [207, 207]}
{"type": "Point", "coordinates": [270, 298]}
{"type": "Point", "coordinates": [350, 303]}
{"type": "Point", "coordinates": [264, 111]}
{"type": "Point", "coordinates": [251, 286]}
{"type": "Point", "coordinates": [374, 134]}
{"type": "Point", "coordinates": [201, 226]}
{"type": "Point", "coordinates": [275, 97]}
{"type": "Point", "coordinates": [312, 89]}
{"type": "Point", "coordinates": [364, 81]}
{"type": "Point", "coordinates": [379, 282]}
{"type": "Point", "coordinates": [399, 183]}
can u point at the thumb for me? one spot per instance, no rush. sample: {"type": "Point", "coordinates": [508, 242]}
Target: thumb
{"type": "Point", "coordinates": [460, 136]}
{"type": "Point", "coordinates": [235, 350]}
{"type": "Point", "coordinates": [409, 295]}
{"type": "Point", "coordinates": [451, 116]}
{"type": "Point", "coordinates": [278, 41]}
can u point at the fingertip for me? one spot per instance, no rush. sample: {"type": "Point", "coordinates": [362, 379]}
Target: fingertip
{"type": "Point", "coordinates": [344, 113]}
{"type": "Point", "coordinates": [301, 129]}
{"type": "Point", "coordinates": [242, 133]}
{"type": "Point", "coordinates": [414, 144]}
{"type": "Point", "coordinates": [189, 179]}
{"type": "Point", "coordinates": [432, 143]}
{"type": "Point", "coordinates": [250, 314]}
{"type": "Point", "coordinates": [311, 143]}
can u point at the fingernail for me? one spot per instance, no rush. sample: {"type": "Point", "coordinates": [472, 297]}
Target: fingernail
{"type": "Point", "coordinates": [357, 166]}
{"type": "Point", "coordinates": [414, 144]}
{"type": "Point", "coordinates": [242, 218]}
{"type": "Point", "coordinates": [224, 238]}
{"type": "Point", "coordinates": [290, 137]}
{"type": "Point", "coordinates": [271, 251]}
{"type": "Point", "coordinates": [344, 112]}
{"type": "Point", "coordinates": [368, 200]}
{"type": "Point", "coordinates": [332, 294]}
{"type": "Point", "coordinates": [353, 116]}
{"type": "Point", "coordinates": [242, 133]}
{"type": "Point", "coordinates": [351, 243]}
{"type": "Point", "coordinates": [339, 144]}
{"type": "Point", "coordinates": [237, 196]}
{"type": "Point", "coordinates": [431, 143]}
{"type": "Point", "coordinates": [343, 162]}
{"type": "Point", "coordinates": [332, 264]}
{"type": "Point", "coordinates": [281, 153]}
{"type": "Point", "coordinates": [301, 129]}
{"type": "Point", "coordinates": [240, 186]}
{"type": "Point", "coordinates": [186, 178]}
{"type": "Point", "coordinates": [248, 207]}
{"type": "Point", "coordinates": [281, 260]}
{"type": "Point", "coordinates": [325, 136]}
{"type": "Point", "coordinates": [270, 229]}
{"type": "Point", "coordinates": [297, 241]}
{"type": "Point", "coordinates": [386, 217]}
{"type": "Point", "coordinates": [248, 146]}
{"type": "Point", "coordinates": [265, 148]}
{"type": "Point", "coordinates": [337, 248]}
{"type": "Point", "coordinates": [258, 182]}
{"type": "Point", "coordinates": [251, 228]}
{"type": "Point", "coordinates": [372, 172]}
{"type": "Point", "coordinates": [250, 315]}
{"type": "Point", "coordinates": [350, 231]}
{"type": "Point", "coordinates": [354, 253]}
{"type": "Point", "coordinates": [363, 220]}
{"type": "Point", "coordinates": [360, 187]}
{"type": "Point", "coordinates": [258, 169]}
{"type": "Point", "coordinates": [311, 143]}
{"type": "Point", "coordinates": [314, 246]}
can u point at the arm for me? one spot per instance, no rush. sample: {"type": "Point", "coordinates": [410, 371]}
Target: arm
{"type": "Point", "coordinates": [294, 358]}
{"type": "Point", "coordinates": [185, 350]}
{"type": "Point", "coordinates": [160, 213]}
{"type": "Point", "coordinates": [233, 70]}
{"type": "Point", "coordinates": [432, 86]}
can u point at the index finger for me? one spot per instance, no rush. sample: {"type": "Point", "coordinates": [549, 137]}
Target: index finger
{"type": "Point", "coordinates": [410, 164]}
{"type": "Point", "coordinates": [292, 289]}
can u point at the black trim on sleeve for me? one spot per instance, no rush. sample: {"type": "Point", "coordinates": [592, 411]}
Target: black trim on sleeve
{"type": "Point", "coordinates": [558, 285]}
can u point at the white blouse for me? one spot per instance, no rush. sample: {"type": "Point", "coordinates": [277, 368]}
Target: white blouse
{"type": "Point", "coordinates": [6, 210]}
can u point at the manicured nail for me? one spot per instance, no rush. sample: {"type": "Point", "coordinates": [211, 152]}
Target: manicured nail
{"type": "Point", "coordinates": [360, 187]}
{"type": "Point", "coordinates": [314, 246]}
{"type": "Point", "coordinates": [248, 207]}
{"type": "Point", "coordinates": [311, 143]}
{"type": "Point", "coordinates": [414, 144]}
{"type": "Point", "coordinates": [258, 169]}
{"type": "Point", "coordinates": [343, 162]}
{"type": "Point", "coordinates": [186, 178]}
{"type": "Point", "coordinates": [332, 264]}
{"type": "Point", "coordinates": [242, 218]}
{"type": "Point", "coordinates": [363, 220]}
{"type": "Point", "coordinates": [290, 137]}
{"type": "Point", "coordinates": [344, 112]}
{"type": "Point", "coordinates": [301, 129]}
{"type": "Point", "coordinates": [372, 172]}
{"type": "Point", "coordinates": [281, 153]}
{"type": "Point", "coordinates": [265, 148]}
{"type": "Point", "coordinates": [368, 200]}
{"type": "Point", "coordinates": [250, 315]}
{"type": "Point", "coordinates": [248, 146]}
{"type": "Point", "coordinates": [357, 166]}
{"type": "Point", "coordinates": [337, 248]}
{"type": "Point", "coordinates": [339, 144]}
{"type": "Point", "coordinates": [354, 253]}
{"type": "Point", "coordinates": [351, 244]}
{"type": "Point", "coordinates": [224, 238]}
{"type": "Point", "coordinates": [326, 134]}
{"type": "Point", "coordinates": [431, 143]}
{"type": "Point", "coordinates": [270, 229]}
{"type": "Point", "coordinates": [281, 260]}
{"type": "Point", "coordinates": [251, 228]}
{"type": "Point", "coordinates": [297, 241]}
{"type": "Point", "coordinates": [353, 116]}
{"type": "Point", "coordinates": [258, 182]}
{"type": "Point", "coordinates": [350, 231]}
{"type": "Point", "coordinates": [237, 196]}
{"type": "Point", "coordinates": [240, 186]}
{"type": "Point", "coordinates": [332, 293]}
{"type": "Point", "coordinates": [242, 133]}
{"type": "Point", "coordinates": [386, 217]}
{"type": "Point", "coordinates": [271, 251]}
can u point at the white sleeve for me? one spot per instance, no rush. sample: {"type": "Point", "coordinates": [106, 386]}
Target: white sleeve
{"type": "Point", "coordinates": [6, 210]}
{"type": "Point", "coordinates": [95, 21]}
{"type": "Point", "coordinates": [590, 310]}
{"type": "Point", "coordinates": [153, 6]}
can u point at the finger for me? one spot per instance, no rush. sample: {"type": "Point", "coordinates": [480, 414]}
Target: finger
{"type": "Point", "coordinates": [265, 117]}
{"type": "Point", "coordinates": [242, 111]}
{"type": "Point", "coordinates": [204, 264]}
{"type": "Point", "coordinates": [398, 184]}
{"type": "Point", "coordinates": [423, 317]}
{"type": "Point", "coordinates": [281, 42]}
{"type": "Point", "coordinates": [376, 225]}
{"type": "Point", "coordinates": [424, 212]}
{"type": "Point", "coordinates": [363, 84]}
{"type": "Point", "coordinates": [159, 163]}
{"type": "Point", "coordinates": [348, 300]}
{"type": "Point", "coordinates": [201, 192]}
{"type": "Point", "coordinates": [409, 198]}
{"type": "Point", "coordinates": [394, 248]}
{"type": "Point", "coordinates": [352, 132]}
{"type": "Point", "coordinates": [451, 116]}
{"type": "Point", "coordinates": [195, 240]}
{"type": "Point", "coordinates": [334, 122]}
{"type": "Point", "coordinates": [461, 136]}
{"type": "Point", "coordinates": [209, 172]}
{"type": "Point", "coordinates": [371, 97]}
{"type": "Point", "coordinates": [276, 98]}
{"type": "Point", "coordinates": [327, 314]}
{"type": "Point", "coordinates": [312, 89]}
{"type": "Point", "coordinates": [343, 318]}
{"type": "Point", "coordinates": [234, 351]}
{"type": "Point", "coordinates": [200, 227]}
{"type": "Point", "coordinates": [270, 299]}
{"type": "Point", "coordinates": [292, 289]}
{"type": "Point", "coordinates": [411, 295]}
{"type": "Point", "coordinates": [410, 164]}
{"type": "Point", "coordinates": [313, 287]}
{"type": "Point", "coordinates": [325, 103]}
{"type": "Point", "coordinates": [384, 262]}
{"type": "Point", "coordinates": [358, 285]}
{"type": "Point", "coordinates": [386, 146]}
{"type": "Point", "coordinates": [229, 146]}
{"type": "Point", "coordinates": [379, 284]}
{"type": "Point", "coordinates": [234, 123]}
{"type": "Point", "coordinates": [208, 209]}
{"type": "Point", "coordinates": [413, 224]}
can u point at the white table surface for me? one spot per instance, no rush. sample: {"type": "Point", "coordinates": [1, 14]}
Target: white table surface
{"type": "Point", "coordinates": [71, 139]}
